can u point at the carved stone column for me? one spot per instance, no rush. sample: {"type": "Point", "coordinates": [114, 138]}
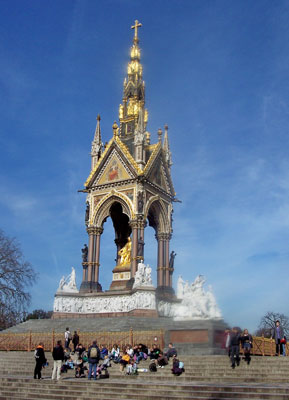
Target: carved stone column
{"type": "Point", "coordinates": [140, 240]}
{"type": "Point", "coordinates": [167, 260]}
{"type": "Point", "coordinates": [90, 253]}
{"type": "Point", "coordinates": [98, 232]}
{"type": "Point", "coordinates": [160, 268]}
{"type": "Point", "coordinates": [134, 227]}
{"type": "Point", "coordinates": [91, 267]}
{"type": "Point", "coordinates": [87, 266]}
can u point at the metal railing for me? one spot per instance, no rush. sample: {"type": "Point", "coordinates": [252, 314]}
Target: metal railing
{"type": "Point", "coordinates": [29, 340]}
{"type": "Point", "coordinates": [264, 347]}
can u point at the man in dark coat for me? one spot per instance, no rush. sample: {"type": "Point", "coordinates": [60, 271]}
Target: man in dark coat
{"type": "Point", "coordinates": [40, 360]}
{"type": "Point", "coordinates": [234, 346]}
{"type": "Point", "coordinates": [277, 334]}
{"type": "Point", "coordinates": [93, 355]}
{"type": "Point", "coordinates": [75, 340]}
{"type": "Point", "coordinates": [58, 357]}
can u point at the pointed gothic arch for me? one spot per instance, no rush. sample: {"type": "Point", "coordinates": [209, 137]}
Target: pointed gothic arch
{"type": "Point", "coordinates": [102, 211]}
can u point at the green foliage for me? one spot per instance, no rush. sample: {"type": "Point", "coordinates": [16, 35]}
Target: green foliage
{"type": "Point", "coordinates": [39, 314]}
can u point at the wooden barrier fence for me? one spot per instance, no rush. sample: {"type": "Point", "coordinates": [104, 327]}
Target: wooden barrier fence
{"type": "Point", "coordinates": [264, 347]}
{"type": "Point", "coordinates": [29, 340]}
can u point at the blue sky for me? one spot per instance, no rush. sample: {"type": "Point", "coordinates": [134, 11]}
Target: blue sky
{"type": "Point", "coordinates": [216, 72]}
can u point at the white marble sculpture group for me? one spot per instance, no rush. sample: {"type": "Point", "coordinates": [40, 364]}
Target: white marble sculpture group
{"type": "Point", "coordinates": [68, 284]}
{"type": "Point", "coordinates": [143, 276]}
{"type": "Point", "coordinates": [194, 302]}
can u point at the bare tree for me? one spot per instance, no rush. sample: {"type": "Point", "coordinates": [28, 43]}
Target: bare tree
{"type": "Point", "coordinates": [267, 323]}
{"type": "Point", "coordinates": [16, 275]}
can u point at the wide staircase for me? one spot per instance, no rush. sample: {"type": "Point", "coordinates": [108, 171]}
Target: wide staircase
{"type": "Point", "coordinates": [205, 377]}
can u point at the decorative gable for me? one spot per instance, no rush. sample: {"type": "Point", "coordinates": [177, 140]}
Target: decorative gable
{"type": "Point", "coordinates": [116, 164]}
{"type": "Point", "coordinates": [158, 173]}
{"type": "Point", "coordinates": [114, 170]}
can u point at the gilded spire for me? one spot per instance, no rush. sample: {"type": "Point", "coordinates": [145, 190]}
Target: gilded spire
{"type": "Point", "coordinates": [133, 91]}
{"type": "Point", "coordinates": [96, 145]}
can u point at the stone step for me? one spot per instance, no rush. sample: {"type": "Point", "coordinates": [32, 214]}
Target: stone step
{"type": "Point", "coordinates": [104, 390]}
{"type": "Point", "coordinates": [125, 384]}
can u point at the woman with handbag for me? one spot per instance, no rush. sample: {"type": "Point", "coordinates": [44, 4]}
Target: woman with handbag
{"type": "Point", "coordinates": [247, 344]}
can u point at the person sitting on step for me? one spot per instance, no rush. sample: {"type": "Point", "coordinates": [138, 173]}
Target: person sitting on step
{"type": "Point", "coordinates": [162, 360]}
{"type": "Point", "coordinates": [178, 366]}
{"type": "Point", "coordinates": [154, 352]}
{"type": "Point", "coordinates": [125, 358]}
{"type": "Point", "coordinates": [114, 354]}
{"type": "Point", "coordinates": [79, 349]}
{"type": "Point", "coordinates": [171, 351]}
{"type": "Point", "coordinates": [103, 352]}
{"type": "Point", "coordinates": [131, 367]}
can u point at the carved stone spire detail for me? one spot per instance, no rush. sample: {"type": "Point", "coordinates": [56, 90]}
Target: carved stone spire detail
{"type": "Point", "coordinates": [166, 148]}
{"type": "Point", "coordinates": [96, 145]}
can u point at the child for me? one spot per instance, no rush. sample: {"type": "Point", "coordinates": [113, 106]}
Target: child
{"type": "Point", "coordinates": [131, 368]}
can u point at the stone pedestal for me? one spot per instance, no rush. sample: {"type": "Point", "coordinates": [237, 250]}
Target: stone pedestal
{"type": "Point", "coordinates": [141, 302]}
{"type": "Point", "coordinates": [89, 287]}
{"type": "Point", "coordinates": [121, 275]}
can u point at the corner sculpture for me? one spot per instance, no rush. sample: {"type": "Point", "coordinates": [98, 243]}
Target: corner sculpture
{"type": "Point", "coordinates": [143, 276]}
{"type": "Point", "coordinates": [196, 302]}
{"type": "Point", "coordinates": [68, 284]}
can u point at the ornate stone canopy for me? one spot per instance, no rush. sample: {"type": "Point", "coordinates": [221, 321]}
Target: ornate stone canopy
{"type": "Point", "coordinates": [130, 181]}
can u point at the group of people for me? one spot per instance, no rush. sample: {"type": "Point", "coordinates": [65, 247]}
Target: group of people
{"type": "Point", "coordinates": [130, 357]}
{"type": "Point", "coordinates": [234, 338]}
{"type": "Point", "coordinates": [95, 361]}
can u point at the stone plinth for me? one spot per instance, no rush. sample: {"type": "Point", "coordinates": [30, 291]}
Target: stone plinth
{"type": "Point", "coordinates": [111, 303]}
{"type": "Point", "coordinates": [121, 275]}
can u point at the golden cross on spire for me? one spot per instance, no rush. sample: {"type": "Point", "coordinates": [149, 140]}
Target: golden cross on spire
{"type": "Point", "coordinates": [136, 25]}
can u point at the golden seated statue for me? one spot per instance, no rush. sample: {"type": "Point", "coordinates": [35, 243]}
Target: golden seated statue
{"type": "Point", "coordinates": [125, 254]}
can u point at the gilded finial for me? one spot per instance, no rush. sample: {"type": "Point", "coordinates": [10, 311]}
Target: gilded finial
{"type": "Point", "coordinates": [98, 117]}
{"type": "Point", "coordinates": [148, 138]}
{"type": "Point", "coordinates": [115, 129]}
{"type": "Point", "coordinates": [136, 25]}
{"type": "Point", "coordinates": [160, 134]}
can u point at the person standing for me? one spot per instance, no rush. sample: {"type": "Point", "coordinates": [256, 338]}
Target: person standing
{"type": "Point", "coordinates": [93, 355]}
{"type": "Point", "coordinates": [235, 347]}
{"type": "Point", "coordinates": [226, 344]}
{"type": "Point", "coordinates": [277, 334]}
{"type": "Point", "coordinates": [75, 340]}
{"type": "Point", "coordinates": [58, 357]}
{"type": "Point", "coordinates": [247, 344]}
{"type": "Point", "coordinates": [40, 360]}
{"type": "Point", "coordinates": [67, 336]}
{"type": "Point", "coordinates": [283, 344]}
